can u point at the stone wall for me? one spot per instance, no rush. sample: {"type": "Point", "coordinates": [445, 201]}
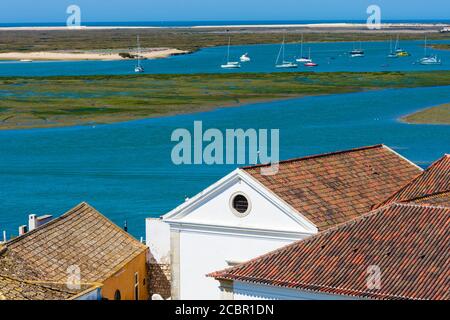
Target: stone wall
{"type": "Point", "coordinates": [159, 279]}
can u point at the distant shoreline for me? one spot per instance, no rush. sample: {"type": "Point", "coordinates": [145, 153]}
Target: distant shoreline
{"type": "Point", "coordinates": [230, 26]}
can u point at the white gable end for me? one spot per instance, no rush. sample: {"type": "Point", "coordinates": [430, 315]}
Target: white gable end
{"type": "Point", "coordinates": [213, 207]}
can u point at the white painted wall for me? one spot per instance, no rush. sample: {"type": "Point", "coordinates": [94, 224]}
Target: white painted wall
{"type": "Point", "coordinates": [157, 238]}
{"type": "Point", "coordinates": [202, 253]}
{"type": "Point", "coordinates": [249, 291]}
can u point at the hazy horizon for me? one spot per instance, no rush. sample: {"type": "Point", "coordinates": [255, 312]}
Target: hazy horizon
{"type": "Point", "coordinates": [101, 11]}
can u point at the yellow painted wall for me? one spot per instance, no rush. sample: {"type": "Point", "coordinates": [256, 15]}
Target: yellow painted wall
{"type": "Point", "coordinates": [123, 280]}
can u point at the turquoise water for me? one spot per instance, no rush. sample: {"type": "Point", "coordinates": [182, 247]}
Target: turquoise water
{"type": "Point", "coordinates": [125, 169]}
{"type": "Point", "coordinates": [330, 56]}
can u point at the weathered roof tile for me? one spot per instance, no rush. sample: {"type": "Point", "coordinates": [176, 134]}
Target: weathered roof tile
{"type": "Point", "coordinates": [332, 188]}
{"type": "Point", "coordinates": [408, 242]}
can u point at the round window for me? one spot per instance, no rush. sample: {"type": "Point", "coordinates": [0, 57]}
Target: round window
{"type": "Point", "coordinates": [240, 205]}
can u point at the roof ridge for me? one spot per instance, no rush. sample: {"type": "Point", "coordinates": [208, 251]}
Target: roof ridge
{"type": "Point", "coordinates": [68, 213]}
{"type": "Point", "coordinates": [51, 222]}
{"type": "Point", "coordinates": [115, 225]}
{"type": "Point", "coordinates": [431, 166]}
{"type": "Point", "coordinates": [319, 155]}
{"type": "Point", "coordinates": [427, 196]}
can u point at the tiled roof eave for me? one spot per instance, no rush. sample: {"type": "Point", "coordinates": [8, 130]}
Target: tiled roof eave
{"type": "Point", "coordinates": [317, 288]}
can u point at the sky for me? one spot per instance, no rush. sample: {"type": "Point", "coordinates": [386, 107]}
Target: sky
{"type": "Point", "coordinates": [29, 11]}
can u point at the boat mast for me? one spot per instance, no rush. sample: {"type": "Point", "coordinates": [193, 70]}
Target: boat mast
{"type": "Point", "coordinates": [301, 48]}
{"type": "Point", "coordinates": [228, 53]}
{"type": "Point", "coordinates": [425, 49]}
{"type": "Point", "coordinates": [139, 53]}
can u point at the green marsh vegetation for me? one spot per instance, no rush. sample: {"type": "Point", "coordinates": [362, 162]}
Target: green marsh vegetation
{"type": "Point", "coordinates": [29, 102]}
{"type": "Point", "coordinates": [181, 38]}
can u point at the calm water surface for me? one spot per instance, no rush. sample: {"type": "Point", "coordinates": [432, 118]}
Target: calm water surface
{"type": "Point", "coordinates": [125, 169]}
{"type": "Point", "coordinates": [330, 57]}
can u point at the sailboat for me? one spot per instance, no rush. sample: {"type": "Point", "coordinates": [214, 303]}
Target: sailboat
{"type": "Point", "coordinates": [399, 51]}
{"type": "Point", "coordinates": [230, 64]}
{"type": "Point", "coordinates": [310, 63]}
{"type": "Point", "coordinates": [302, 58]}
{"type": "Point", "coordinates": [284, 64]}
{"type": "Point", "coordinates": [392, 53]}
{"type": "Point", "coordinates": [357, 53]}
{"type": "Point", "coordinates": [429, 60]}
{"type": "Point", "coordinates": [139, 68]}
{"type": "Point", "coordinates": [245, 58]}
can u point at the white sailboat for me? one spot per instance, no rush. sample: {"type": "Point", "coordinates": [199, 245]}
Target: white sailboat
{"type": "Point", "coordinates": [284, 64]}
{"type": "Point", "coordinates": [139, 68]}
{"type": "Point", "coordinates": [429, 60]}
{"type": "Point", "coordinates": [392, 53]}
{"type": "Point", "coordinates": [357, 53]}
{"type": "Point", "coordinates": [230, 64]}
{"type": "Point", "coordinates": [245, 58]}
{"type": "Point", "coordinates": [302, 58]}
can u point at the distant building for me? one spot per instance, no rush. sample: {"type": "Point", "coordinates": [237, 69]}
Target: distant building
{"type": "Point", "coordinates": [398, 251]}
{"type": "Point", "coordinates": [247, 214]}
{"type": "Point", "coordinates": [80, 247]}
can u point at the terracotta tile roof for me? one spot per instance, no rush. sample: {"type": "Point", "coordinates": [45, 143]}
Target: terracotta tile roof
{"type": "Point", "coordinates": [409, 243]}
{"type": "Point", "coordinates": [435, 179]}
{"type": "Point", "coordinates": [438, 199]}
{"type": "Point", "coordinates": [82, 237]}
{"type": "Point", "coordinates": [15, 289]}
{"type": "Point", "coordinates": [332, 188]}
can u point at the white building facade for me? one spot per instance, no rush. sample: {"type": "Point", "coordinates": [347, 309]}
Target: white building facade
{"type": "Point", "coordinates": [234, 220]}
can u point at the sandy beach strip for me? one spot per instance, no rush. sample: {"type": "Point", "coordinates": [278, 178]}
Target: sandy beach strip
{"type": "Point", "coordinates": [157, 53]}
{"type": "Point", "coordinates": [305, 25]}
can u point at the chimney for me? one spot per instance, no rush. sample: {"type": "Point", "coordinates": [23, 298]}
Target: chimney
{"type": "Point", "coordinates": [22, 230]}
{"type": "Point", "coordinates": [35, 222]}
{"type": "Point", "coordinates": [32, 221]}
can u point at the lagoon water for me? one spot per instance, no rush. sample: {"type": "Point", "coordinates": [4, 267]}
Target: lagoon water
{"type": "Point", "coordinates": [330, 57]}
{"type": "Point", "coordinates": [125, 169]}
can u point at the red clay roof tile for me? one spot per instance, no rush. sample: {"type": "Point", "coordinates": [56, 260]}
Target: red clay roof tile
{"type": "Point", "coordinates": [335, 187]}
{"type": "Point", "coordinates": [408, 242]}
{"type": "Point", "coordinates": [434, 180]}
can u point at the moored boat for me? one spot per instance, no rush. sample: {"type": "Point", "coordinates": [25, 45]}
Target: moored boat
{"type": "Point", "coordinates": [230, 64]}
{"type": "Point", "coordinates": [302, 58]}
{"type": "Point", "coordinates": [284, 64]}
{"type": "Point", "coordinates": [139, 68]}
{"type": "Point", "coordinates": [357, 53]}
{"type": "Point", "coordinates": [427, 59]}
{"type": "Point", "coordinates": [245, 58]}
{"type": "Point", "coordinates": [310, 63]}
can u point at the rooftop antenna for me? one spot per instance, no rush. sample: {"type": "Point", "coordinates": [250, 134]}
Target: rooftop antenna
{"type": "Point", "coordinates": [4, 235]}
{"type": "Point", "coordinates": [125, 226]}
